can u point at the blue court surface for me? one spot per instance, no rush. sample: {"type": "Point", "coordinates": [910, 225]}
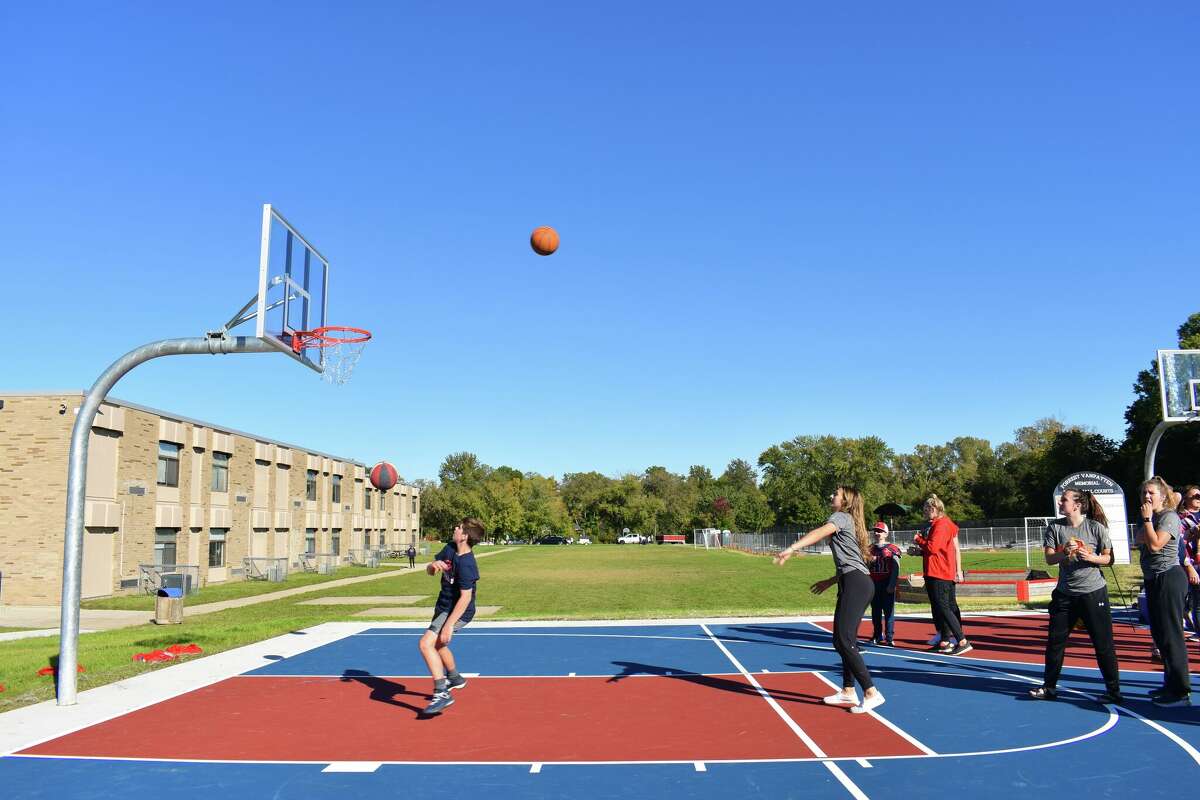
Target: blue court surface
{"type": "Point", "coordinates": [616, 710]}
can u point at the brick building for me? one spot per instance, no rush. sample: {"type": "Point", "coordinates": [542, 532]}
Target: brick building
{"type": "Point", "coordinates": [163, 489]}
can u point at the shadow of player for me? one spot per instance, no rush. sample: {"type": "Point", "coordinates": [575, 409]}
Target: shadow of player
{"type": "Point", "coordinates": [632, 668]}
{"type": "Point", "coordinates": [385, 691]}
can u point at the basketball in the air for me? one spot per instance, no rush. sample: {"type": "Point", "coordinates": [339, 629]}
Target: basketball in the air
{"type": "Point", "coordinates": [544, 240]}
{"type": "Point", "coordinates": [384, 476]}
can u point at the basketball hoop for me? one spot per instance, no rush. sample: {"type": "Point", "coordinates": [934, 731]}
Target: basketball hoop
{"type": "Point", "coordinates": [343, 347]}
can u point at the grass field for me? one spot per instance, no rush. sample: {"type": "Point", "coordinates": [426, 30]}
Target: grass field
{"type": "Point", "coordinates": [539, 583]}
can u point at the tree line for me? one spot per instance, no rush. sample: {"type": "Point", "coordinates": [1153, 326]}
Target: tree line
{"type": "Point", "coordinates": [789, 484]}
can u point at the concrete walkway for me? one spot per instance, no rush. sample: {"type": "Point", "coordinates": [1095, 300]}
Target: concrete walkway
{"type": "Point", "coordinates": [46, 618]}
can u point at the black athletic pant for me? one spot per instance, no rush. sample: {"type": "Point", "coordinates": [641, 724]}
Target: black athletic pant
{"type": "Point", "coordinates": [855, 590]}
{"type": "Point", "coordinates": [1093, 609]}
{"type": "Point", "coordinates": [944, 605]}
{"type": "Point", "coordinates": [1164, 595]}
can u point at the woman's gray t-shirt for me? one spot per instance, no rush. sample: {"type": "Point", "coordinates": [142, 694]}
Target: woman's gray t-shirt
{"type": "Point", "coordinates": [844, 544]}
{"type": "Point", "coordinates": [1158, 563]}
{"type": "Point", "coordinates": [1078, 577]}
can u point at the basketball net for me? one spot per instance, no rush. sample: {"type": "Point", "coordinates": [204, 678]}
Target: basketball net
{"type": "Point", "coordinates": [341, 346]}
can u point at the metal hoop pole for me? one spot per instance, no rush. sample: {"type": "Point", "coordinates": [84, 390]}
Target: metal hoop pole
{"type": "Point", "coordinates": [68, 654]}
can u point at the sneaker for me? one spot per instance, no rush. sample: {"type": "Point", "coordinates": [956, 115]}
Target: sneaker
{"type": "Point", "coordinates": [841, 699]}
{"type": "Point", "coordinates": [889, 643]}
{"type": "Point", "coordinates": [1111, 698]}
{"type": "Point", "coordinates": [1159, 692]}
{"type": "Point", "coordinates": [868, 703]}
{"type": "Point", "coordinates": [1172, 701]}
{"type": "Point", "coordinates": [963, 647]}
{"type": "Point", "coordinates": [1043, 693]}
{"type": "Point", "coordinates": [452, 684]}
{"type": "Point", "coordinates": [441, 701]}
{"type": "Point", "coordinates": [945, 648]}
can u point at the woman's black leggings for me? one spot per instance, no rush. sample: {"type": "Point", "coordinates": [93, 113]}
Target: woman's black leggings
{"type": "Point", "coordinates": [1164, 594]}
{"type": "Point", "coordinates": [944, 605]}
{"type": "Point", "coordinates": [1093, 609]}
{"type": "Point", "coordinates": [855, 590]}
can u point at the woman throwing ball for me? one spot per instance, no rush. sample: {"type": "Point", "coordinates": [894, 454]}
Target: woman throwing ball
{"type": "Point", "coordinates": [847, 532]}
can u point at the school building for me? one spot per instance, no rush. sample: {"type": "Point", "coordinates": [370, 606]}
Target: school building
{"type": "Point", "coordinates": [167, 494]}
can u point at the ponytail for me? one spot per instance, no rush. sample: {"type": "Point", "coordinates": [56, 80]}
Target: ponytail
{"type": "Point", "coordinates": [1091, 508]}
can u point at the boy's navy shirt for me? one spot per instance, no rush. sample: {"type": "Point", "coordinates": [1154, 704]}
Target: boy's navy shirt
{"type": "Point", "coordinates": [463, 574]}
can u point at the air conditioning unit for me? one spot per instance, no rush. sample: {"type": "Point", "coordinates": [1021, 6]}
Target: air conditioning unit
{"type": "Point", "coordinates": [275, 574]}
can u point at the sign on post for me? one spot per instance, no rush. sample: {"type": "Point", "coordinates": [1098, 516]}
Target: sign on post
{"type": "Point", "coordinates": [1112, 499]}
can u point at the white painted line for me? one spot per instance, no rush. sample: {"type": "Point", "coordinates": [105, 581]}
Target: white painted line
{"type": "Point", "coordinates": [353, 766]}
{"type": "Point", "coordinates": [842, 778]}
{"type": "Point", "coordinates": [469, 674]}
{"type": "Point", "coordinates": [766, 671]}
{"type": "Point", "coordinates": [556, 635]}
{"type": "Point", "coordinates": [862, 762]}
{"type": "Point", "coordinates": [699, 765]}
{"type": "Point", "coordinates": [534, 769]}
{"type": "Point", "coordinates": [1187, 748]}
{"type": "Point", "coordinates": [570, 674]}
{"type": "Point", "coordinates": [887, 723]}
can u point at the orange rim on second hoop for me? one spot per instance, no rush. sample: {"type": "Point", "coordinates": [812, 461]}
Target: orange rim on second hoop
{"type": "Point", "coordinates": [328, 336]}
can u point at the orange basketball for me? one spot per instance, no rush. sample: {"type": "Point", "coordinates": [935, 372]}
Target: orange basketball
{"type": "Point", "coordinates": [544, 240]}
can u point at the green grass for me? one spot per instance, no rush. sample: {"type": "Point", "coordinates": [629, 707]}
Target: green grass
{"type": "Point", "coordinates": [597, 582]}
{"type": "Point", "coordinates": [14, 630]}
{"type": "Point", "coordinates": [232, 590]}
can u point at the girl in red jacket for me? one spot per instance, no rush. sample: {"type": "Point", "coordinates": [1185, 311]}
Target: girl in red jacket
{"type": "Point", "coordinates": [939, 555]}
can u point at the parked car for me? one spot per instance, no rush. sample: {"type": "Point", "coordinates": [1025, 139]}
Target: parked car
{"type": "Point", "coordinates": [552, 540]}
{"type": "Point", "coordinates": [584, 540]}
{"type": "Point", "coordinates": [631, 538]}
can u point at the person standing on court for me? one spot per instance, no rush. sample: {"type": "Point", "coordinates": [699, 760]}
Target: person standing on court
{"type": "Point", "coordinates": [1158, 540]}
{"type": "Point", "coordinates": [1189, 553]}
{"type": "Point", "coordinates": [938, 548]}
{"type": "Point", "coordinates": [455, 607]}
{"type": "Point", "coordinates": [411, 552]}
{"type": "Point", "coordinates": [846, 530]}
{"type": "Point", "coordinates": [885, 573]}
{"type": "Point", "coordinates": [1079, 544]}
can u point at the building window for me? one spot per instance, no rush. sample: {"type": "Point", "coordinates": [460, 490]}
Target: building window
{"type": "Point", "coordinates": [220, 472]}
{"type": "Point", "coordinates": [216, 546]}
{"type": "Point", "coordinates": [337, 488]}
{"type": "Point", "coordinates": [310, 540]}
{"type": "Point", "coordinates": [164, 546]}
{"type": "Point", "coordinates": [382, 540]}
{"type": "Point", "coordinates": [414, 505]}
{"type": "Point", "coordinates": [310, 484]}
{"type": "Point", "coordinates": [337, 541]}
{"type": "Point", "coordinates": [367, 499]}
{"type": "Point", "coordinates": [168, 464]}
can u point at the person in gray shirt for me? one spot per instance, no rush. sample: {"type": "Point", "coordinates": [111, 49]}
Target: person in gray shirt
{"type": "Point", "coordinates": [846, 530]}
{"type": "Point", "coordinates": [1078, 543]}
{"type": "Point", "coordinates": [1158, 540]}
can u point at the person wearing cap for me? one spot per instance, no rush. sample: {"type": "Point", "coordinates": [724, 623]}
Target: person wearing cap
{"type": "Point", "coordinates": [885, 572]}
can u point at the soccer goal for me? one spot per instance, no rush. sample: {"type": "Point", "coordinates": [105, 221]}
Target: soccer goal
{"type": "Point", "coordinates": [708, 538]}
{"type": "Point", "coordinates": [1034, 526]}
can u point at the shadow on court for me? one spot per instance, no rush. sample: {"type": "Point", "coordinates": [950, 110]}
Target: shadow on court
{"type": "Point", "coordinates": [632, 668]}
{"type": "Point", "coordinates": [385, 691]}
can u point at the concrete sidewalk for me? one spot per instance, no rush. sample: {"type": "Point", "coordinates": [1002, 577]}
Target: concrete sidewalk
{"type": "Point", "coordinates": [46, 618]}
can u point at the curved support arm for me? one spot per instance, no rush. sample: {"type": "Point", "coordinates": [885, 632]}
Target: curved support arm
{"type": "Point", "coordinates": [68, 656]}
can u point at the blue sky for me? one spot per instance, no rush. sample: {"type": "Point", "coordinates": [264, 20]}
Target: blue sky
{"type": "Point", "coordinates": [912, 220]}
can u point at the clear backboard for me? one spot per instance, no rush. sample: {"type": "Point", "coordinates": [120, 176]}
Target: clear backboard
{"type": "Point", "coordinates": [1179, 382]}
{"type": "Point", "coordinates": [293, 281]}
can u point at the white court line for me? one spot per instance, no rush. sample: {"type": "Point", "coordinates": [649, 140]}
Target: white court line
{"type": "Point", "coordinates": [353, 766]}
{"type": "Point", "coordinates": [699, 765]}
{"type": "Point", "coordinates": [534, 769]}
{"type": "Point", "coordinates": [887, 723]}
{"type": "Point", "coordinates": [1187, 748]}
{"type": "Point", "coordinates": [552, 635]}
{"type": "Point", "coordinates": [862, 762]}
{"type": "Point", "coordinates": [837, 772]}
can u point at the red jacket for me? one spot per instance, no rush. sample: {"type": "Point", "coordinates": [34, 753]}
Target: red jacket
{"type": "Point", "coordinates": [937, 549]}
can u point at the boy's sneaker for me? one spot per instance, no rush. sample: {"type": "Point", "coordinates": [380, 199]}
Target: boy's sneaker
{"type": "Point", "coordinates": [441, 701]}
{"type": "Point", "coordinates": [1172, 701]}
{"type": "Point", "coordinates": [962, 647]}
{"type": "Point", "coordinates": [452, 684]}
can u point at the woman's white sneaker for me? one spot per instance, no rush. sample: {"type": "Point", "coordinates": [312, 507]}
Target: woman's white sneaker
{"type": "Point", "coordinates": [869, 702]}
{"type": "Point", "coordinates": [841, 699]}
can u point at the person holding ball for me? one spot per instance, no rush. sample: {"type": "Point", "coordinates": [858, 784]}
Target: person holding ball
{"type": "Point", "coordinates": [454, 609]}
{"type": "Point", "coordinates": [846, 530]}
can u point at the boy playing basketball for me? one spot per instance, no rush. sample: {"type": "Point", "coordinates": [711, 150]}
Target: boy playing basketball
{"type": "Point", "coordinates": [455, 608]}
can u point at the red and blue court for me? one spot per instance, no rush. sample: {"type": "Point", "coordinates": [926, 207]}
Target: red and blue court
{"type": "Point", "coordinates": [616, 710]}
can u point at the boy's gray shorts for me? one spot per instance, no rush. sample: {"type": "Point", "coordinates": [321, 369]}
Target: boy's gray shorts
{"type": "Point", "coordinates": [438, 621]}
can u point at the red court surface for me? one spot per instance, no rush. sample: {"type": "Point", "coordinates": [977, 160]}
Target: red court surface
{"type": "Point", "coordinates": [559, 719]}
{"type": "Point", "coordinates": [1023, 639]}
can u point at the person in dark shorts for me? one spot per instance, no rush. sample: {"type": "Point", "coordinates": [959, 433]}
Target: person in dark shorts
{"type": "Point", "coordinates": [847, 533]}
{"type": "Point", "coordinates": [1158, 540]}
{"type": "Point", "coordinates": [885, 573]}
{"type": "Point", "coordinates": [454, 609]}
{"type": "Point", "coordinates": [411, 552]}
{"type": "Point", "coordinates": [1079, 544]}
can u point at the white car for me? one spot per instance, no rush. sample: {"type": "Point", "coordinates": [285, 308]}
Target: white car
{"type": "Point", "coordinates": [631, 538]}
{"type": "Point", "coordinates": [584, 540]}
